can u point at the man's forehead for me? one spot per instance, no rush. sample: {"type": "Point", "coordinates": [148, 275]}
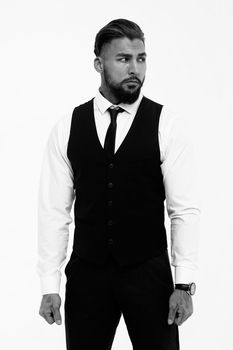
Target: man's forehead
{"type": "Point", "coordinates": [124, 45]}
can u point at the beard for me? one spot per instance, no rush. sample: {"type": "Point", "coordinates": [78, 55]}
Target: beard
{"type": "Point", "coordinates": [123, 95]}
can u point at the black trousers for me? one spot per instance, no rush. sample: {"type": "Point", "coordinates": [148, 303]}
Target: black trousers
{"type": "Point", "coordinates": [97, 295]}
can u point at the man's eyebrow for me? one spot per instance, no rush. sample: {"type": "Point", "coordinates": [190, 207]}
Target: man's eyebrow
{"type": "Point", "coordinates": [123, 54]}
{"type": "Point", "coordinates": [142, 54]}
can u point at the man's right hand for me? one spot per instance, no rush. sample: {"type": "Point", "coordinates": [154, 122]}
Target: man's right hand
{"type": "Point", "coordinates": [49, 308]}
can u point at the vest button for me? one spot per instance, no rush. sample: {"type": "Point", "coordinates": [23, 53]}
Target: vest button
{"type": "Point", "coordinates": [110, 165]}
{"type": "Point", "coordinates": [110, 241]}
{"type": "Point", "coordinates": [110, 185]}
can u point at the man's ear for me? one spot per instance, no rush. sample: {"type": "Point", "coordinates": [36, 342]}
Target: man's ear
{"type": "Point", "coordinates": [98, 64]}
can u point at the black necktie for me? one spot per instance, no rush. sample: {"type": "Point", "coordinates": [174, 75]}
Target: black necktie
{"type": "Point", "coordinates": [109, 143]}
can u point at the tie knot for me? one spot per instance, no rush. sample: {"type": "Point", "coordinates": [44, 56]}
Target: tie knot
{"type": "Point", "coordinates": [114, 112]}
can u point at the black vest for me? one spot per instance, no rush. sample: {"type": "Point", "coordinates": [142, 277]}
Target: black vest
{"type": "Point", "coordinates": [119, 204]}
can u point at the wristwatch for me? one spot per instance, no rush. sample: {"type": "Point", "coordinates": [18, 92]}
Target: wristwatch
{"type": "Point", "coordinates": [189, 288]}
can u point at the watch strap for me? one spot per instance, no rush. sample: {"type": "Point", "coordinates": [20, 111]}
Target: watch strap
{"type": "Point", "coordinates": [182, 286]}
{"type": "Point", "coordinates": [189, 288]}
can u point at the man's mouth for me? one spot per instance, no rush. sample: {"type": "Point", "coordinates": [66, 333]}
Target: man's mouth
{"type": "Point", "coordinates": [132, 81]}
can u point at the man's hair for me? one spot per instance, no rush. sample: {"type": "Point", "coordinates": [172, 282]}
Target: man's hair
{"type": "Point", "coordinates": [118, 28]}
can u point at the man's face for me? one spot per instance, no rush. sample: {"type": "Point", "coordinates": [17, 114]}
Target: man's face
{"type": "Point", "coordinates": [124, 68]}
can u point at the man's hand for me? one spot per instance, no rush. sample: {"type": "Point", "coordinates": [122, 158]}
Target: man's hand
{"type": "Point", "coordinates": [49, 308]}
{"type": "Point", "coordinates": [180, 307]}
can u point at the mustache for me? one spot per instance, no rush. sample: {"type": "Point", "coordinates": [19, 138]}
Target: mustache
{"type": "Point", "coordinates": [132, 79]}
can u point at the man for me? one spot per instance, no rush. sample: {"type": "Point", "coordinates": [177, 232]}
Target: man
{"type": "Point", "coordinates": [120, 155]}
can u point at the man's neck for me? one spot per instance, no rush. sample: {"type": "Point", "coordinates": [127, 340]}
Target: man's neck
{"type": "Point", "coordinates": [110, 97]}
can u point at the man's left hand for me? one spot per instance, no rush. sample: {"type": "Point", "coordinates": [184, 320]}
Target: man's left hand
{"type": "Point", "coordinates": [180, 307]}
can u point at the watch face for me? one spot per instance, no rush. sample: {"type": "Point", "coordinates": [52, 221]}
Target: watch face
{"type": "Point", "coordinates": [192, 288]}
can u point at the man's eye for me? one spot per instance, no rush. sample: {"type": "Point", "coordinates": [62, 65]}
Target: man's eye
{"type": "Point", "coordinates": [123, 59]}
{"type": "Point", "coordinates": [142, 59]}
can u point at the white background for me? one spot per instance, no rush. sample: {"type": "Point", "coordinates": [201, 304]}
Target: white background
{"type": "Point", "coordinates": [46, 70]}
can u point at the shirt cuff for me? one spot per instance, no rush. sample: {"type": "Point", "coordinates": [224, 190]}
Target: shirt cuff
{"type": "Point", "coordinates": [184, 275]}
{"type": "Point", "coordinates": [50, 284]}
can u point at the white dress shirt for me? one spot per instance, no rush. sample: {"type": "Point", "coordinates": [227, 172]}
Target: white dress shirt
{"type": "Point", "coordinates": [56, 193]}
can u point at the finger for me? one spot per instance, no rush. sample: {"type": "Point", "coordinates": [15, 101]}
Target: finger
{"type": "Point", "coordinates": [183, 315]}
{"type": "Point", "coordinates": [184, 319]}
{"type": "Point", "coordinates": [172, 314]}
{"type": "Point", "coordinates": [179, 317]}
{"type": "Point", "coordinates": [56, 315]}
{"type": "Point", "coordinates": [186, 315]}
{"type": "Point", "coordinates": [48, 316]}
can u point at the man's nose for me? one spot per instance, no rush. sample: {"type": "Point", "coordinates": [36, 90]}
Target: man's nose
{"type": "Point", "coordinates": [133, 68]}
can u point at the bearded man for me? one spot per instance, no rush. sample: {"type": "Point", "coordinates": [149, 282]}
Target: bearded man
{"type": "Point", "coordinates": [119, 156]}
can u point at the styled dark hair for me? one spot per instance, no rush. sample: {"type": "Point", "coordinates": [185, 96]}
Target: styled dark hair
{"type": "Point", "coordinates": [118, 28]}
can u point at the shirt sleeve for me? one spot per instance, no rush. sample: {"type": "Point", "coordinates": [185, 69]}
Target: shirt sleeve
{"type": "Point", "coordinates": [181, 180]}
{"type": "Point", "coordinates": [55, 199]}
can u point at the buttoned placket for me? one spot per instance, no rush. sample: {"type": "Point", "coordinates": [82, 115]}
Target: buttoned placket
{"type": "Point", "coordinates": [109, 146]}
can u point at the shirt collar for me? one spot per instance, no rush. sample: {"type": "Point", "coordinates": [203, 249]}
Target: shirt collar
{"type": "Point", "coordinates": [103, 104]}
